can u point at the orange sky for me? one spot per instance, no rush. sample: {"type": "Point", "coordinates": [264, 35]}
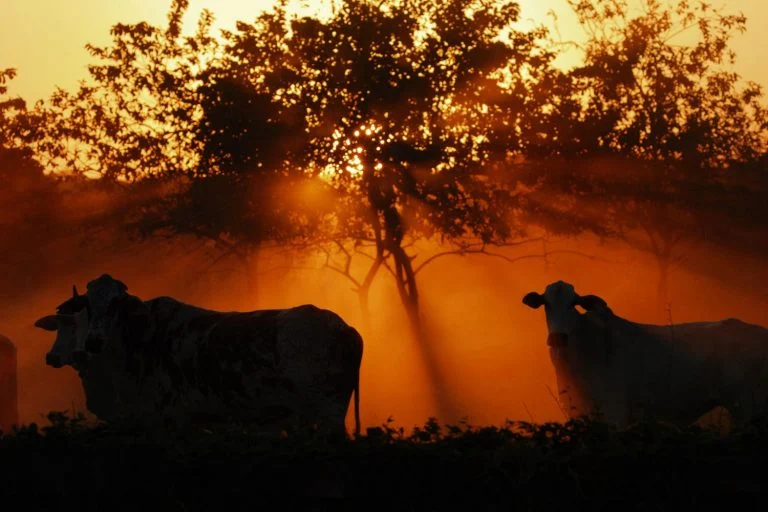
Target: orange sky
{"type": "Point", "coordinates": [44, 39]}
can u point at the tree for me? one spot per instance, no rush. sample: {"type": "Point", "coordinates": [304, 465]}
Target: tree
{"type": "Point", "coordinates": [411, 107]}
{"type": "Point", "coordinates": [664, 125]}
{"type": "Point", "coordinates": [135, 117]}
{"type": "Point", "coordinates": [184, 148]}
{"type": "Point", "coordinates": [29, 218]}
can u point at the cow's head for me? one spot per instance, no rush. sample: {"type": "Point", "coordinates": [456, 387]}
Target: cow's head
{"type": "Point", "coordinates": [71, 326]}
{"type": "Point", "coordinates": [82, 323]}
{"type": "Point", "coordinates": [560, 301]}
{"type": "Point", "coordinates": [104, 295]}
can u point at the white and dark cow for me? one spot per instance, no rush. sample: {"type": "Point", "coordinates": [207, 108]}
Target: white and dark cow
{"type": "Point", "coordinates": [624, 370]}
{"type": "Point", "coordinates": [9, 411]}
{"type": "Point", "coordinates": [163, 358]}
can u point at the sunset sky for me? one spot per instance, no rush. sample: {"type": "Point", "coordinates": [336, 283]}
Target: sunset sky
{"type": "Point", "coordinates": [44, 39]}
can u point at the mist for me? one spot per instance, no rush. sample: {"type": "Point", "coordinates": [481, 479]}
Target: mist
{"type": "Point", "coordinates": [489, 346]}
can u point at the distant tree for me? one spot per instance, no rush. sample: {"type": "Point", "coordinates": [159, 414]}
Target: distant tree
{"type": "Point", "coordinates": [29, 216]}
{"type": "Point", "coordinates": [128, 132]}
{"type": "Point", "coordinates": [135, 117]}
{"type": "Point", "coordinates": [740, 223]}
{"type": "Point", "coordinates": [9, 107]}
{"type": "Point", "coordinates": [665, 123]}
{"type": "Point", "coordinates": [182, 147]}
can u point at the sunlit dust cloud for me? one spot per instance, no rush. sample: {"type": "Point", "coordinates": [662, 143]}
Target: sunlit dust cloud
{"type": "Point", "coordinates": [489, 347]}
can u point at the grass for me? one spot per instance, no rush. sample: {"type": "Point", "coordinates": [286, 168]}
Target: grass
{"type": "Point", "coordinates": [578, 465]}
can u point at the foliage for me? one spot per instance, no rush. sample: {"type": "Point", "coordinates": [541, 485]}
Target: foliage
{"type": "Point", "coordinates": [9, 109]}
{"type": "Point", "coordinates": [27, 226]}
{"type": "Point", "coordinates": [580, 464]}
{"type": "Point", "coordinates": [440, 93]}
{"type": "Point", "coordinates": [409, 105]}
{"type": "Point", "coordinates": [415, 120]}
{"type": "Point", "coordinates": [665, 130]}
{"type": "Point", "coordinates": [136, 115]}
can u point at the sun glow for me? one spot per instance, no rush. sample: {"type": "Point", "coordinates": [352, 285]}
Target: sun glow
{"type": "Point", "coordinates": [352, 150]}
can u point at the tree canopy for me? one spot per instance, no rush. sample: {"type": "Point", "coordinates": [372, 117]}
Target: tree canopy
{"type": "Point", "coordinates": [665, 127]}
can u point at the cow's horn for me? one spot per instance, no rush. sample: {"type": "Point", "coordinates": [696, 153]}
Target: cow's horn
{"type": "Point", "coordinates": [74, 291]}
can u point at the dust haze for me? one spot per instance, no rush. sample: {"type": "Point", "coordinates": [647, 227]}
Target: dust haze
{"type": "Point", "coordinates": [490, 347]}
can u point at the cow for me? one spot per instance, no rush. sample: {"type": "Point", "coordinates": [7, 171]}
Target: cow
{"type": "Point", "coordinates": [622, 371]}
{"type": "Point", "coordinates": [9, 411]}
{"type": "Point", "coordinates": [161, 358]}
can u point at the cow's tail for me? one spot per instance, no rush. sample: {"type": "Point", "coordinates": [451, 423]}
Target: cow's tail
{"type": "Point", "coordinates": [357, 404]}
{"type": "Point", "coordinates": [358, 359]}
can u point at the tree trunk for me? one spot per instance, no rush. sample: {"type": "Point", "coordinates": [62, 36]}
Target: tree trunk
{"type": "Point", "coordinates": [409, 297]}
{"type": "Point", "coordinates": [663, 262]}
{"type": "Point", "coordinates": [365, 310]}
{"type": "Point", "coordinates": [662, 290]}
{"type": "Point", "coordinates": [251, 264]}
{"type": "Point", "coordinates": [662, 246]}
{"type": "Point", "coordinates": [389, 230]}
{"type": "Point", "coordinates": [363, 291]}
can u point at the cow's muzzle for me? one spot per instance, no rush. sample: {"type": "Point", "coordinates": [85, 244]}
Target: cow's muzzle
{"type": "Point", "coordinates": [557, 339]}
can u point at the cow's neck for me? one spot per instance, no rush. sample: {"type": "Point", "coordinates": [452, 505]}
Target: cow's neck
{"type": "Point", "coordinates": [584, 368]}
{"type": "Point", "coordinates": [110, 389]}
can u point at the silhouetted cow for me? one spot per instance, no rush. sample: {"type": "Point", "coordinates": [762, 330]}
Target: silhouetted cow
{"type": "Point", "coordinates": [277, 368]}
{"type": "Point", "coordinates": [9, 411]}
{"type": "Point", "coordinates": [624, 369]}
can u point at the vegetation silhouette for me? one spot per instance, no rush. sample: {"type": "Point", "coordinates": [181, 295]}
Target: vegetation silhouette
{"type": "Point", "coordinates": [580, 464]}
{"type": "Point", "coordinates": [9, 410]}
{"type": "Point", "coordinates": [664, 132]}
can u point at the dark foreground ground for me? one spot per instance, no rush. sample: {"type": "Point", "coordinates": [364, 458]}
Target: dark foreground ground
{"type": "Point", "coordinates": [574, 466]}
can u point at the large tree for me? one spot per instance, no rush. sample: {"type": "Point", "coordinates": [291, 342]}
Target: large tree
{"type": "Point", "coordinates": [30, 216]}
{"type": "Point", "coordinates": [183, 146]}
{"type": "Point", "coordinates": [663, 125]}
{"type": "Point", "coordinates": [411, 110]}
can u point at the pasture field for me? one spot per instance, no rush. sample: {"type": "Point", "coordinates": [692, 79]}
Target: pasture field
{"type": "Point", "coordinates": [578, 465]}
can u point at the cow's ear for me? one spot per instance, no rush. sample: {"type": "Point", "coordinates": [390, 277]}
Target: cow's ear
{"type": "Point", "coordinates": [533, 300]}
{"type": "Point", "coordinates": [590, 302]}
{"type": "Point", "coordinates": [49, 323]}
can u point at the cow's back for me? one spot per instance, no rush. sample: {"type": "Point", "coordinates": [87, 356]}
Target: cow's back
{"type": "Point", "coordinates": [149, 365]}
{"type": "Point", "coordinates": [734, 362]}
{"type": "Point", "coordinates": [268, 365]}
{"type": "Point", "coordinates": [262, 366]}
{"type": "Point", "coordinates": [681, 371]}
{"type": "Point", "coordinates": [677, 372]}
{"type": "Point", "coordinates": [237, 360]}
{"type": "Point", "coordinates": [321, 355]}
